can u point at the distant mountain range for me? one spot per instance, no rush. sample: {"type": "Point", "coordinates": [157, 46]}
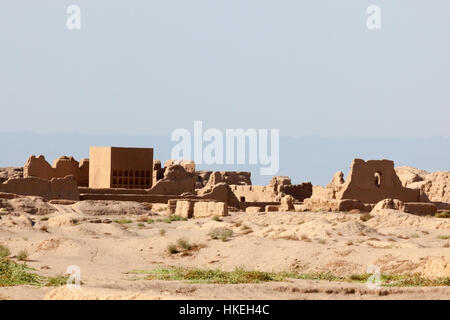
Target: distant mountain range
{"type": "Point", "coordinates": [308, 158]}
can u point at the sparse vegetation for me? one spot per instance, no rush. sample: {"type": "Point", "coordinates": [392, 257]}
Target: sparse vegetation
{"type": "Point", "coordinates": [172, 218]}
{"type": "Point", "coordinates": [211, 276]}
{"type": "Point", "coordinates": [184, 243]}
{"type": "Point", "coordinates": [442, 214]}
{"type": "Point", "coordinates": [4, 251]}
{"type": "Point", "coordinates": [220, 233]}
{"type": "Point", "coordinates": [150, 221]}
{"type": "Point", "coordinates": [123, 221]}
{"type": "Point", "coordinates": [322, 241]}
{"type": "Point", "coordinates": [22, 255]}
{"type": "Point", "coordinates": [239, 275]}
{"type": "Point", "coordinates": [216, 218]}
{"type": "Point", "coordinates": [44, 219]}
{"type": "Point", "coordinates": [140, 225]}
{"type": "Point", "coordinates": [15, 274]}
{"type": "Point", "coordinates": [172, 249]}
{"type": "Point", "coordinates": [3, 210]}
{"type": "Point", "coordinates": [443, 237]}
{"type": "Point", "coordinates": [304, 237]}
{"type": "Point", "coordinates": [365, 217]}
{"type": "Point", "coordinates": [414, 235]}
{"type": "Point", "coordinates": [162, 232]}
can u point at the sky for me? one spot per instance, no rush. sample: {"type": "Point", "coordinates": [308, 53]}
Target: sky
{"type": "Point", "coordinates": [150, 67]}
{"type": "Point", "coordinates": [138, 70]}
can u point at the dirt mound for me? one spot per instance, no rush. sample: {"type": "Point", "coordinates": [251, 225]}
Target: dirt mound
{"type": "Point", "coordinates": [437, 268]}
{"type": "Point", "coordinates": [29, 204]}
{"type": "Point", "coordinates": [107, 207]}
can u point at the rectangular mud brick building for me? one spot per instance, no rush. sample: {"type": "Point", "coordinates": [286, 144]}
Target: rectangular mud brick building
{"type": "Point", "coordinates": [114, 167]}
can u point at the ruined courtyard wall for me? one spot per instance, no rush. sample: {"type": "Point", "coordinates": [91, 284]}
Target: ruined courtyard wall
{"type": "Point", "coordinates": [56, 188]}
{"type": "Point", "coordinates": [361, 183]}
{"type": "Point", "coordinates": [63, 166]}
{"type": "Point", "coordinates": [254, 193]}
{"type": "Point", "coordinates": [299, 192]}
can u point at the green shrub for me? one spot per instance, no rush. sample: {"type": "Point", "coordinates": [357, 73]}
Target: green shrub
{"type": "Point", "coordinates": [22, 255]}
{"type": "Point", "coordinates": [4, 251]}
{"type": "Point", "coordinates": [220, 233]}
{"type": "Point", "coordinates": [184, 243]}
{"type": "Point", "coordinates": [172, 249]}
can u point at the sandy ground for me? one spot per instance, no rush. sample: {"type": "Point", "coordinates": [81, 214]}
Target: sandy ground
{"type": "Point", "coordinates": [340, 243]}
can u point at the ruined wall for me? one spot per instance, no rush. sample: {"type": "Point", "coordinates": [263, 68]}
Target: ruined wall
{"type": "Point", "coordinates": [200, 209]}
{"type": "Point", "coordinates": [176, 181]}
{"type": "Point", "coordinates": [369, 182]}
{"type": "Point", "coordinates": [434, 186]}
{"type": "Point", "coordinates": [298, 191]}
{"type": "Point", "coordinates": [229, 177]}
{"type": "Point", "coordinates": [56, 188]}
{"type": "Point", "coordinates": [219, 192]}
{"type": "Point", "coordinates": [254, 193]}
{"type": "Point", "coordinates": [63, 166]}
{"type": "Point", "coordinates": [189, 166]}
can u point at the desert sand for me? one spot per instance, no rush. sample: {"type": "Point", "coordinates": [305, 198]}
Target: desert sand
{"type": "Point", "coordinates": [86, 235]}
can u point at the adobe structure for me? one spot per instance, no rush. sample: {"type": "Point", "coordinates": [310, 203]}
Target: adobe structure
{"type": "Point", "coordinates": [63, 166]}
{"type": "Point", "coordinates": [113, 167]}
{"type": "Point", "coordinates": [368, 183]}
{"type": "Point", "coordinates": [131, 174]}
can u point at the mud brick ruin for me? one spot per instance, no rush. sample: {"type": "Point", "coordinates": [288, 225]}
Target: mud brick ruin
{"type": "Point", "coordinates": [131, 174]}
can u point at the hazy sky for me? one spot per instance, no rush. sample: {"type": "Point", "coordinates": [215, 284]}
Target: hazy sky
{"type": "Point", "coordinates": [149, 67]}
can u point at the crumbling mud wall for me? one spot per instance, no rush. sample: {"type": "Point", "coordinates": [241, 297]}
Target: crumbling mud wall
{"type": "Point", "coordinates": [176, 181]}
{"type": "Point", "coordinates": [200, 209]}
{"type": "Point", "coordinates": [63, 166]}
{"type": "Point", "coordinates": [56, 188]}
{"type": "Point", "coordinates": [189, 166]}
{"type": "Point", "coordinates": [369, 182]}
{"type": "Point", "coordinates": [278, 187]}
{"type": "Point", "coordinates": [219, 192]}
{"type": "Point", "coordinates": [433, 186]}
{"type": "Point", "coordinates": [254, 193]}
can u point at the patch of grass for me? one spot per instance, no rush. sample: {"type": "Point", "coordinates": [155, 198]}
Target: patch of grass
{"type": "Point", "coordinates": [4, 251]}
{"type": "Point", "coordinates": [184, 243]}
{"type": "Point", "coordinates": [365, 217]}
{"type": "Point", "coordinates": [442, 214]}
{"type": "Point", "coordinates": [172, 218]}
{"type": "Point", "coordinates": [172, 249]}
{"type": "Point", "coordinates": [140, 225]}
{"type": "Point", "coordinates": [22, 255]}
{"type": "Point", "coordinates": [15, 274]}
{"type": "Point", "coordinates": [162, 232]}
{"type": "Point", "coordinates": [57, 281]}
{"type": "Point", "coordinates": [150, 221]}
{"type": "Point", "coordinates": [123, 221]}
{"type": "Point", "coordinates": [240, 275]}
{"type": "Point", "coordinates": [213, 276]}
{"type": "Point", "coordinates": [443, 237]}
{"type": "Point", "coordinates": [216, 218]}
{"type": "Point", "coordinates": [220, 233]}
